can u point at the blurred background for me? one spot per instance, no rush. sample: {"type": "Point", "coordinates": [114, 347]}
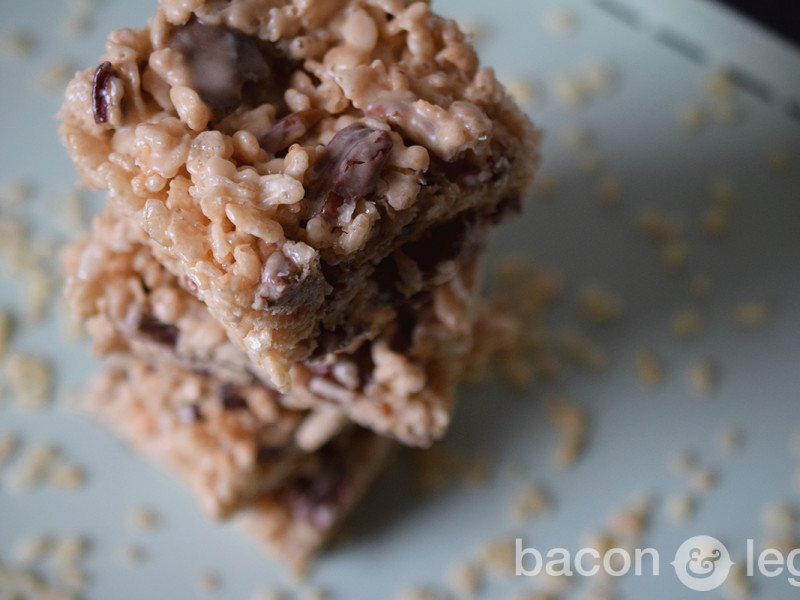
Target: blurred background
{"type": "Point", "coordinates": [660, 401]}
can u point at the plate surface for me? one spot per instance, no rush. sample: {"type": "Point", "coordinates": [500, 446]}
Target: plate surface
{"type": "Point", "coordinates": [659, 138]}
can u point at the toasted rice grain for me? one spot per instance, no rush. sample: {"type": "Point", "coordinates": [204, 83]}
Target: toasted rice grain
{"type": "Point", "coordinates": [703, 377]}
{"type": "Point", "coordinates": [680, 507]}
{"type": "Point", "coordinates": [16, 44]}
{"type": "Point", "coordinates": [208, 581]}
{"type": "Point", "coordinates": [464, 578]}
{"type": "Point", "coordinates": [599, 306]}
{"type": "Point", "coordinates": [649, 367]}
{"type": "Point", "coordinates": [143, 518]}
{"type": "Point", "coordinates": [572, 422]}
{"type": "Point", "coordinates": [131, 554]}
{"type": "Point", "coordinates": [498, 556]}
{"type": "Point", "coordinates": [687, 324]}
{"type": "Point", "coordinates": [692, 118]}
{"type": "Point", "coordinates": [9, 443]}
{"type": "Point", "coordinates": [752, 313]}
{"type": "Point", "coordinates": [560, 21]}
{"type": "Point", "coordinates": [529, 503]}
{"type": "Point", "coordinates": [5, 332]}
{"type": "Point", "coordinates": [30, 378]}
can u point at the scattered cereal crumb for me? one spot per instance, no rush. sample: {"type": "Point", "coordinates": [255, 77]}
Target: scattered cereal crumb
{"type": "Point", "coordinates": [751, 314]}
{"type": "Point", "coordinates": [737, 585]}
{"type": "Point", "coordinates": [208, 581]}
{"type": "Point", "coordinates": [529, 502]}
{"type": "Point", "coordinates": [703, 479]}
{"type": "Point", "coordinates": [578, 350]}
{"type": "Point", "coordinates": [67, 476]}
{"type": "Point", "coordinates": [716, 222]}
{"type": "Point", "coordinates": [464, 578]}
{"type": "Point", "coordinates": [73, 577]}
{"type": "Point", "coordinates": [692, 118]}
{"type": "Point", "coordinates": [9, 443]}
{"type": "Point", "coordinates": [522, 90]}
{"type": "Point", "coordinates": [674, 255]}
{"type": "Point", "coordinates": [16, 44]}
{"type": "Point", "coordinates": [73, 203]}
{"type": "Point", "coordinates": [609, 190]}
{"type": "Point", "coordinates": [568, 91]}
{"type": "Point", "coordinates": [656, 226]}
{"type": "Point", "coordinates": [545, 185]}
{"type": "Point", "coordinates": [38, 284]}
{"type": "Point", "coordinates": [478, 470]}
{"type": "Point", "coordinates": [600, 78]}
{"type": "Point", "coordinates": [30, 379]}
{"type": "Point", "coordinates": [680, 507]}
{"type": "Point", "coordinates": [31, 467]}
{"type": "Point", "coordinates": [687, 324]}
{"type": "Point", "coordinates": [55, 75]}
{"type": "Point", "coordinates": [555, 584]}
{"type": "Point", "coordinates": [572, 423]}
{"type": "Point", "coordinates": [730, 441]}
{"type": "Point", "coordinates": [794, 444]}
{"type": "Point", "coordinates": [76, 24]}
{"type": "Point", "coordinates": [598, 306]}
{"type": "Point", "coordinates": [560, 21]}
{"type": "Point", "coordinates": [630, 522]}
{"type": "Point", "coordinates": [314, 593]}
{"type": "Point", "coordinates": [577, 138]}
{"type": "Point", "coordinates": [130, 554]}
{"type": "Point", "coordinates": [727, 110]}
{"type": "Point", "coordinates": [682, 461]}
{"type": "Point", "coordinates": [700, 287]}
{"type": "Point", "coordinates": [69, 549]}
{"type": "Point", "coordinates": [5, 332]}
{"type": "Point", "coordinates": [422, 592]}
{"type": "Point", "coordinates": [721, 191]}
{"type": "Point", "coordinates": [270, 594]}
{"type": "Point", "coordinates": [777, 158]}
{"type": "Point", "coordinates": [703, 376]}
{"type": "Point", "coordinates": [649, 367]}
{"type": "Point", "coordinates": [779, 518]}
{"type": "Point", "coordinates": [16, 192]}
{"type": "Point", "coordinates": [32, 549]}
{"type": "Point", "coordinates": [143, 518]}
{"type": "Point", "coordinates": [719, 83]}
{"type": "Point", "coordinates": [589, 161]}
{"type": "Point", "coordinates": [498, 556]}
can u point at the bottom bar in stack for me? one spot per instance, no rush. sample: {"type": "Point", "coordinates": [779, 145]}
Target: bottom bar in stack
{"type": "Point", "coordinates": [233, 445]}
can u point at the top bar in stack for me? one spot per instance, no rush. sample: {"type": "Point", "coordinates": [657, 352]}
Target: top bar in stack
{"type": "Point", "coordinates": [304, 167]}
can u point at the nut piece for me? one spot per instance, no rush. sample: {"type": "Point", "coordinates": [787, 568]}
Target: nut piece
{"type": "Point", "coordinates": [348, 169]}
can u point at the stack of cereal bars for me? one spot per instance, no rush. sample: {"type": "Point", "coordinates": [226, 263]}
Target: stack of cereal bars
{"type": "Point", "coordinates": [285, 275]}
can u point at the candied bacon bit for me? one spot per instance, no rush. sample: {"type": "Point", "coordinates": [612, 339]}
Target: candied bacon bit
{"type": "Point", "coordinates": [100, 91]}
{"type": "Point", "coordinates": [348, 168]}
{"type": "Point", "coordinates": [289, 129]}
{"type": "Point", "coordinates": [231, 399]}
{"type": "Point", "coordinates": [189, 414]}
{"type": "Point", "coordinates": [159, 331]}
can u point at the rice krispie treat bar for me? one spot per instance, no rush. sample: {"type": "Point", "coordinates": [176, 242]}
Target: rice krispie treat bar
{"type": "Point", "coordinates": [401, 383]}
{"type": "Point", "coordinates": [229, 442]}
{"type": "Point", "coordinates": [303, 166]}
{"type": "Point", "coordinates": [295, 520]}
